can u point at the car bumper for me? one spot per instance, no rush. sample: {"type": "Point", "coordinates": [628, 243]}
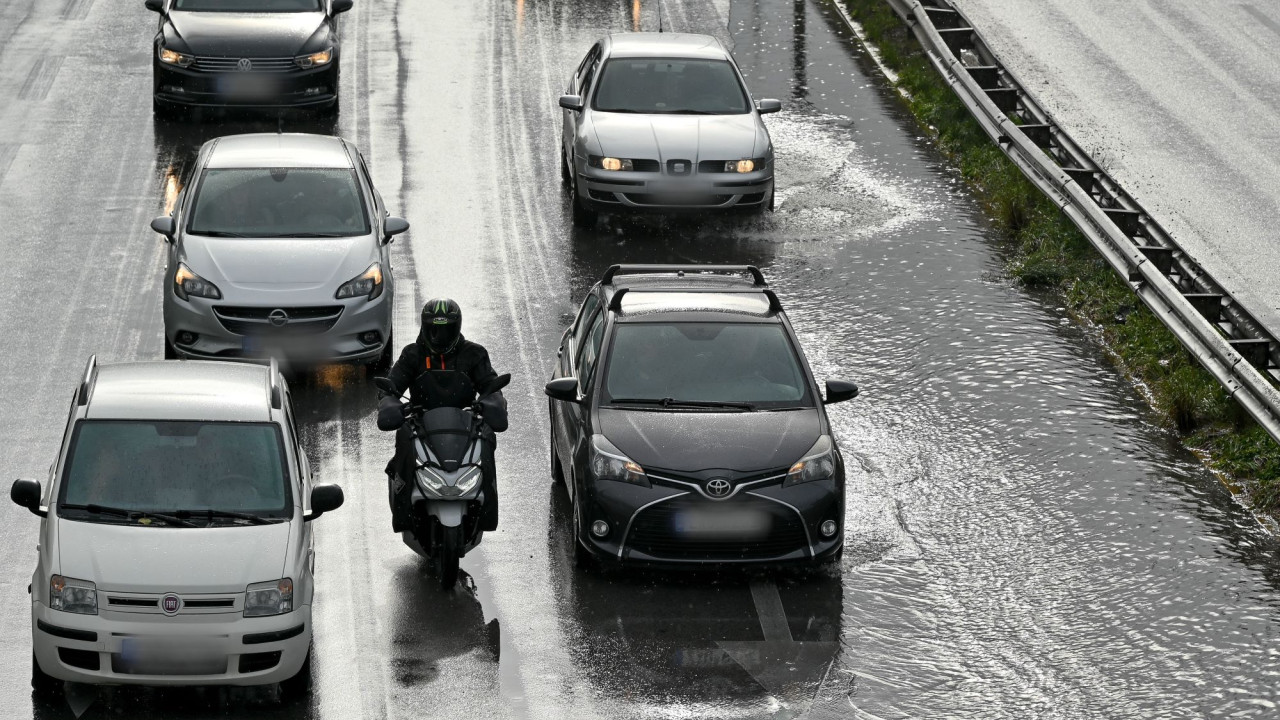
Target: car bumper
{"type": "Point", "coordinates": [762, 525]}
{"type": "Point", "coordinates": [301, 88]}
{"type": "Point", "coordinates": [235, 650]}
{"type": "Point", "coordinates": [639, 192]}
{"type": "Point", "coordinates": [218, 337]}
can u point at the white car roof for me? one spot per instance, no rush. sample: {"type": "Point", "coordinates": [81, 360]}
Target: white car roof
{"type": "Point", "coordinates": [181, 390]}
{"type": "Point", "coordinates": [278, 150]}
{"type": "Point", "coordinates": [667, 45]}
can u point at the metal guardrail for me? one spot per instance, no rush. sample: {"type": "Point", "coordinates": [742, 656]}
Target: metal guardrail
{"type": "Point", "coordinates": [1206, 319]}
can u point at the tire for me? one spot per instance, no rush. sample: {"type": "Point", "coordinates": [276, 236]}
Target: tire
{"type": "Point", "coordinates": [582, 557]}
{"type": "Point", "coordinates": [566, 176]}
{"type": "Point", "coordinates": [43, 684]}
{"type": "Point", "coordinates": [169, 352]}
{"type": "Point", "coordinates": [557, 469]}
{"type": "Point", "coordinates": [163, 112]}
{"type": "Point", "coordinates": [384, 362]}
{"type": "Point", "coordinates": [448, 554]}
{"type": "Point", "coordinates": [583, 216]}
{"type": "Point", "coordinates": [300, 684]}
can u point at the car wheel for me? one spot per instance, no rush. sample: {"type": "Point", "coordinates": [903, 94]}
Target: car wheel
{"type": "Point", "coordinates": [43, 684]}
{"type": "Point", "coordinates": [300, 684]}
{"type": "Point", "coordinates": [386, 359]}
{"type": "Point", "coordinates": [170, 353]}
{"type": "Point", "coordinates": [582, 557]}
{"type": "Point", "coordinates": [583, 216]}
{"type": "Point", "coordinates": [557, 470]}
{"type": "Point", "coordinates": [566, 175]}
{"type": "Point", "coordinates": [163, 111]}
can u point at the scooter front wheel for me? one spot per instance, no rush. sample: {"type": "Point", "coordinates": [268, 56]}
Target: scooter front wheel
{"type": "Point", "coordinates": [448, 554]}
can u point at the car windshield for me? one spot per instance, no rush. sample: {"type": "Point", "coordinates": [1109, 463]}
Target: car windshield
{"type": "Point", "coordinates": [657, 86]}
{"type": "Point", "coordinates": [175, 468]}
{"type": "Point", "coordinates": [248, 6]}
{"type": "Point", "coordinates": [751, 364]}
{"type": "Point", "coordinates": [279, 202]}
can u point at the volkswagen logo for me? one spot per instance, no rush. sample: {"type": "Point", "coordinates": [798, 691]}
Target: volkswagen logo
{"type": "Point", "coordinates": [170, 604]}
{"type": "Point", "coordinates": [278, 317]}
{"type": "Point", "coordinates": [718, 487]}
{"type": "Point", "coordinates": [245, 65]}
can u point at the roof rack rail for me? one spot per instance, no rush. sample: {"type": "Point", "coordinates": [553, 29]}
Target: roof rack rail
{"type": "Point", "coordinates": [756, 276]}
{"type": "Point", "coordinates": [277, 397]}
{"type": "Point", "coordinates": [615, 302]}
{"type": "Point", "coordinates": [86, 384]}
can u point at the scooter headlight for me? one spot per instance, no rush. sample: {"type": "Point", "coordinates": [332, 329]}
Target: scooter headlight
{"type": "Point", "coordinates": [433, 482]}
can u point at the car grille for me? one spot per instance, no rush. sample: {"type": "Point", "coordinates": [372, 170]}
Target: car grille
{"type": "Point", "coordinates": [657, 531]}
{"type": "Point", "coordinates": [151, 604]}
{"type": "Point", "coordinates": [643, 165]}
{"type": "Point", "coordinates": [257, 320]}
{"type": "Point", "coordinates": [679, 167]}
{"type": "Point", "coordinates": [232, 64]}
{"type": "Point", "coordinates": [690, 199]}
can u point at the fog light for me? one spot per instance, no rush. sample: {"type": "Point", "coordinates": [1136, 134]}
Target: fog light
{"type": "Point", "coordinates": [599, 528]}
{"type": "Point", "coordinates": [186, 337]}
{"type": "Point", "coordinates": [370, 338]}
{"type": "Point", "coordinates": [315, 91]}
{"type": "Point", "coordinates": [828, 528]}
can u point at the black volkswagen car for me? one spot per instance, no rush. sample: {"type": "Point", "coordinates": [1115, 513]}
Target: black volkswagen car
{"type": "Point", "coordinates": [687, 426]}
{"type": "Point", "coordinates": [246, 53]}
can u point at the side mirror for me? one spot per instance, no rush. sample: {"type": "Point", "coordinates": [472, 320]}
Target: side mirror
{"type": "Point", "coordinates": [768, 105]}
{"type": "Point", "coordinates": [340, 6]}
{"type": "Point", "coordinates": [839, 391]}
{"type": "Point", "coordinates": [26, 493]}
{"type": "Point", "coordinates": [324, 498]}
{"type": "Point", "coordinates": [571, 102]}
{"type": "Point", "coordinates": [165, 226]}
{"type": "Point", "coordinates": [155, 5]}
{"type": "Point", "coordinates": [392, 227]}
{"type": "Point", "coordinates": [565, 388]}
{"type": "Point", "coordinates": [385, 385]}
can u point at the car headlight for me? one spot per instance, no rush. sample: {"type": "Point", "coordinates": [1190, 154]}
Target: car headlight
{"type": "Point", "coordinates": [173, 57]}
{"type": "Point", "coordinates": [608, 463]}
{"type": "Point", "coordinates": [314, 59]}
{"type": "Point", "coordinates": [73, 596]}
{"type": "Point", "coordinates": [186, 284]}
{"type": "Point", "coordinates": [745, 166]}
{"type": "Point", "coordinates": [817, 464]}
{"type": "Point", "coordinates": [433, 482]}
{"type": "Point", "coordinates": [274, 597]}
{"type": "Point", "coordinates": [368, 283]}
{"type": "Point", "coordinates": [610, 163]}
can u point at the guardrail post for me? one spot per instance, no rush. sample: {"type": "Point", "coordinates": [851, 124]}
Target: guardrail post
{"type": "Point", "coordinates": [1207, 304]}
{"type": "Point", "coordinates": [1256, 351]}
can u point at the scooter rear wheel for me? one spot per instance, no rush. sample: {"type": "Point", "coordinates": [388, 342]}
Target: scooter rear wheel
{"type": "Point", "coordinates": [450, 553]}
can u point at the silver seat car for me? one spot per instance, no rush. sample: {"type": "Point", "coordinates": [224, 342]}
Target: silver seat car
{"type": "Point", "coordinates": [278, 248]}
{"type": "Point", "coordinates": [663, 121]}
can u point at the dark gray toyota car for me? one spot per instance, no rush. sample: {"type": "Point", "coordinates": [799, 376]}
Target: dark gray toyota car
{"type": "Point", "coordinates": [687, 426]}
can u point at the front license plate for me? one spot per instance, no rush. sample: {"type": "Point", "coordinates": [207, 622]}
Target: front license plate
{"type": "Point", "coordinates": [246, 85]}
{"type": "Point", "coordinates": [172, 656]}
{"type": "Point", "coordinates": [725, 523]}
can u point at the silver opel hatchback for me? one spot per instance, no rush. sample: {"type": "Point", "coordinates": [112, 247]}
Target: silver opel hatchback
{"type": "Point", "coordinates": [663, 121]}
{"type": "Point", "coordinates": [278, 248]}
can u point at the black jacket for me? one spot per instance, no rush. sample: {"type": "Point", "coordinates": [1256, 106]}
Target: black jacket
{"type": "Point", "coordinates": [468, 358]}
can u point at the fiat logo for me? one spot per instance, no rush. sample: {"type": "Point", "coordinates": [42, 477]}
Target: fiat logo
{"type": "Point", "coordinates": [170, 604]}
{"type": "Point", "coordinates": [278, 317]}
{"type": "Point", "coordinates": [245, 65]}
{"type": "Point", "coordinates": [718, 487]}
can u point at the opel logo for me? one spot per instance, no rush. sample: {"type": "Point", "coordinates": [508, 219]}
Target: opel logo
{"type": "Point", "coordinates": [245, 65]}
{"type": "Point", "coordinates": [278, 317]}
{"type": "Point", "coordinates": [170, 604]}
{"type": "Point", "coordinates": [718, 487]}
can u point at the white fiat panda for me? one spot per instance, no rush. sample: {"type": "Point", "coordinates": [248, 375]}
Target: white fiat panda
{"type": "Point", "coordinates": [175, 545]}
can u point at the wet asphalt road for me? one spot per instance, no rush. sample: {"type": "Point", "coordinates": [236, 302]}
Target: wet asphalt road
{"type": "Point", "coordinates": [1022, 540]}
{"type": "Point", "coordinates": [1175, 99]}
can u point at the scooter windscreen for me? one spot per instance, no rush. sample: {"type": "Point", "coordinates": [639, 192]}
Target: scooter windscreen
{"type": "Point", "coordinates": [448, 435]}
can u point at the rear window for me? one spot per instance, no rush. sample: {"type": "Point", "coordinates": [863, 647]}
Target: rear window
{"type": "Point", "coordinates": [162, 466]}
{"type": "Point", "coordinates": [279, 202]}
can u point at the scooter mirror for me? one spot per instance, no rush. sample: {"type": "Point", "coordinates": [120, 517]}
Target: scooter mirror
{"type": "Point", "coordinates": [385, 385]}
{"type": "Point", "coordinates": [497, 384]}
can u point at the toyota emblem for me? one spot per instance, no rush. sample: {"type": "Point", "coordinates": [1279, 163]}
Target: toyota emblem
{"type": "Point", "coordinates": [170, 604]}
{"type": "Point", "coordinates": [278, 317]}
{"type": "Point", "coordinates": [718, 487]}
{"type": "Point", "coordinates": [245, 65]}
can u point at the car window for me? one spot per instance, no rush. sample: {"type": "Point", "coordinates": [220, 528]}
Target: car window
{"type": "Point", "coordinates": [279, 202]}
{"type": "Point", "coordinates": [590, 352]}
{"type": "Point", "coordinates": [170, 466]}
{"type": "Point", "coordinates": [589, 306]}
{"type": "Point", "coordinates": [665, 86]}
{"type": "Point", "coordinates": [706, 362]}
{"type": "Point", "coordinates": [588, 62]}
{"type": "Point", "coordinates": [245, 6]}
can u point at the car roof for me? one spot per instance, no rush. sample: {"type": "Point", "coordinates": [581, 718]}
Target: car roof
{"type": "Point", "coordinates": [652, 44]}
{"type": "Point", "coordinates": [278, 150]}
{"type": "Point", "coordinates": [181, 390]}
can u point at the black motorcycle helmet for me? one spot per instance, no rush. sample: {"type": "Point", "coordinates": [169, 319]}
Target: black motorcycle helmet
{"type": "Point", "coordinates": [441, 325]}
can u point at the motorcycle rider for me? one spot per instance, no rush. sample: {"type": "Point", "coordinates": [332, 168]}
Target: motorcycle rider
{"type": "Point", "coordinates": [424, 369]}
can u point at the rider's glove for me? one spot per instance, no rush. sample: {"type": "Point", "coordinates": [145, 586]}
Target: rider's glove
{"type": "Point", "coordinates": [493, 408]}
{"type": "Point", "coordinates": [390, 413]}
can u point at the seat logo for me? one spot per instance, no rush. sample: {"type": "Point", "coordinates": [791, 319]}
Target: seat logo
{"type": "Point", "coordinates": [245, 65]}
{"type": "Point", "coordinates": [170, 604]}
{"type": "Point", "coordinates": [278, 318]}
{"type": "Point", "coordinates": [718, 487]}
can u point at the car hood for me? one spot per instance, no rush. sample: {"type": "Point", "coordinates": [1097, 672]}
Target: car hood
{"type": "Point", "coordinates": [278, 263]}
{"type": "Point", "coordinates": [128, 558]}
{"type": "Point", "coordinates": [693, 441]}
{"type": "Point", "coordinates": [225, 34]}
{"type": "Point", "coordinates": [682, 137]}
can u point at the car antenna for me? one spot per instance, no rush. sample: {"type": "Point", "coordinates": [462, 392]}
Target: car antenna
{"type": "Point", "coordinates": [659, 16]}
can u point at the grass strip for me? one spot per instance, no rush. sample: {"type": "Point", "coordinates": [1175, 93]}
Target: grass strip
{"type": "Point", "coordinates": [1045, 251]}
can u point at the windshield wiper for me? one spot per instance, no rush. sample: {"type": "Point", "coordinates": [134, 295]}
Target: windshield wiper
{"type": "Point", "coordinates": [621, 110]}
{"type": "Point", "coordinates": [218, 233]}
{"type": "Point", "coordinates": [672, 402]}
{"type": "Point", "coordinates": [95, 509]}
{"type": "Point", "coordinates": [687, 112]}
{"type": "Point", "coordinates": [307, 235]}
{"type": "Point", "coordinates": [231, 514]}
